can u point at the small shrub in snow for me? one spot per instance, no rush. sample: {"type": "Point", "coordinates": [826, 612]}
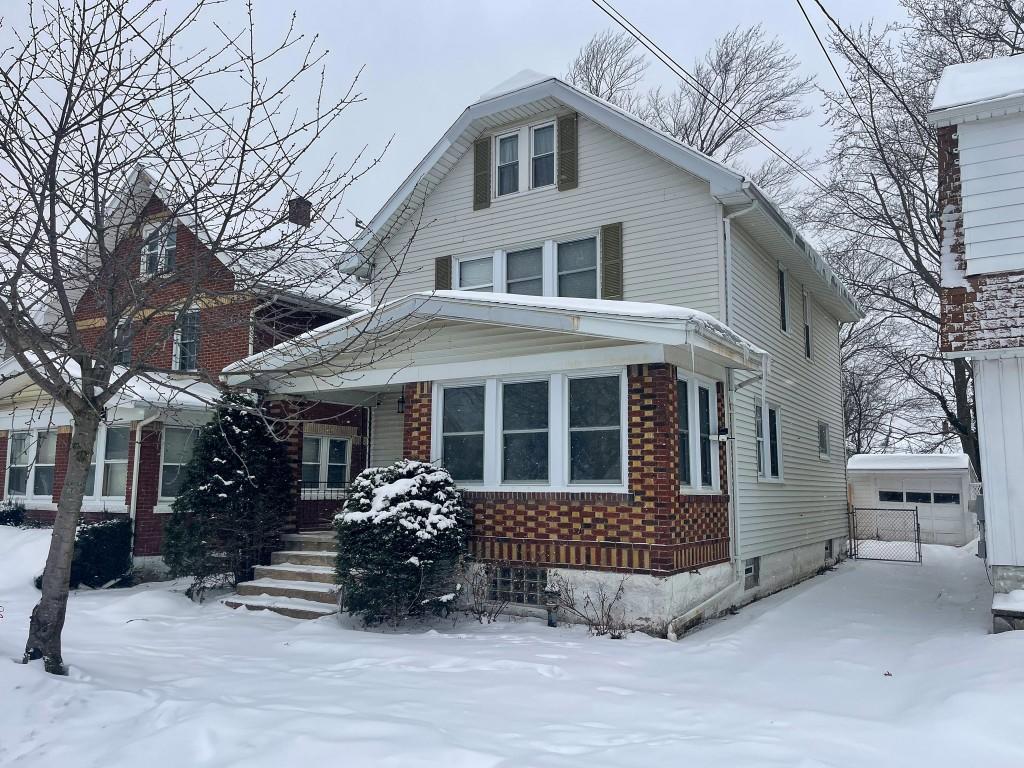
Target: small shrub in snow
{"type": "Point", "coordinates": [103, 553]}
{"type": "Point", "coordinates": [478, 581]}
{"type": "Point", "coordinates": [237, 491]}
{"type": "Point", "coordinates": [401, 539]}
{"type": "Point", "coordinates": [600, 610]}
{"type": "Point", "coordinates": [12, 512]}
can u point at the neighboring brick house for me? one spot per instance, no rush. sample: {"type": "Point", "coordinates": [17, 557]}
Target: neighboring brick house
{"type": "Point", "coordinates": [978, 111]}
{"type": "Point", "coordinates": [629, 358]}
{"type": "Point", "coordinates": [147, 435]}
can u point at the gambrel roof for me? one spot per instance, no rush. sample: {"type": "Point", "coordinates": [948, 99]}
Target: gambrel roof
{"type": "Point", "coordinates": [529, 94]}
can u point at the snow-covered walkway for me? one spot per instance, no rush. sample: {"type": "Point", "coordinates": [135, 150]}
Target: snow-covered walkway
{"type": "Point", "coordinates": [799, 679]}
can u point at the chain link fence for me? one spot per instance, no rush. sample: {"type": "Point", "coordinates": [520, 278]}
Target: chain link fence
{"type": "Point", "coordinates": [885, 534]}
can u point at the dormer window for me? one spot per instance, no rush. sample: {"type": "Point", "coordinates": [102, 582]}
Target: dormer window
{"type": "Point", "coordinates": [508, 164]}
{"type": "Point", "coordinates": [159, 246]}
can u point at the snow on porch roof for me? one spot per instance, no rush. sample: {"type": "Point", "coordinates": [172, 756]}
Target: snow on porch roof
{"type": "Point", "coordinates": [635, 322]}
{"type": "Point", "coordinates": [978, 89]}
{"type": "Point", "coordinates": [908, 461]}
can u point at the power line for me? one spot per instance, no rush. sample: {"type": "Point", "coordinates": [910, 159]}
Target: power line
{"type": "Point", "coordinates": [702, 90]}
{"type": "Point", "coordinates": [828, 56]}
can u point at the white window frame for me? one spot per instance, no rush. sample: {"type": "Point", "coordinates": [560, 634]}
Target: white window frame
{"type": "Point", "coordinates": [500, 404]}
{"type": "Point", "coordinates": [525, 159]}
{"type": "Point", "coordinates": [807, 331]}
{"type": "Point", "coordinates": [121, 325]}
{"type": "Point", "coordinates": [558, 431]}
{"type": "Point", "coordinates": [554, 153]}
{"type": "Point", "coordinates": [163, 444]}
{"type": "Point", "coordinates": [176, 354]}
{"type": "Point", "coordinates": [96, 500]}
{"type": "Point", "coordinates": [171, 227]}
{"type": "Point", "coordinates": [30, 451]}
{"type": "Point", "coordinates": [782, 300]}
{"type": "Point", "coordinates": [322, 456]}
{"type": "Point", "coordinates": [36, 464]}
{"type": "Point", "coordinates": [764, 475]}
{"type": "Point", "coordinates": [693, 384]}
{"type": "Point", "coordinates": [549, 261]}
{"type": "Point", "coordinates": [825, 455]}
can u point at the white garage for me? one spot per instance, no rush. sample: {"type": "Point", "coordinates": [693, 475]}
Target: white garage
{"type": "Point", "coordinates": [941, 486]}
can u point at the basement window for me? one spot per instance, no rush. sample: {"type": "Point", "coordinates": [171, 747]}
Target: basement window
{"type": "Point", "coordinates": [751, 572]}
{"type": "Point", "coordinates": [524, 586]}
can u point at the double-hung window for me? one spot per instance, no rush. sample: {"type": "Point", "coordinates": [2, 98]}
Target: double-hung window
{"type": "Point", "coordinates": [123, 338]}
{"type": "Point", "coordinates": [767, 430]}
{"type": "Point", "coordinates": [476, 274]}
{"type": "Point", "coordinates": [178, 444]}
{"type": "Point", "coordinates": [19, 463]}
{"type": "Point", "coordinates": [566, 268]}
{"type": "Point", "coordinates": [462, 433]}
{"type": "Point", "coordinates": [159, 248]}
{"type": "Point", "coordinates": [783, 308]}
{"type": "Point", "coordinates": [823, 441]}
{"type": "Point", "coordinates": [524, 272]}
{"type": "Point", "coordinates": [115, 461]}
{"type": "Point", "coordinates": [698, 428]}
{"type": "Point", "coordinates": [807, 325]}
{"type": "Point", "coordinates": [595, 430]}
{"type": "Point", "coordinates": [577, 268]}
{"type": "Point", "coordinates": [524, 432]}
{"type": "Point", "coordinates": [186, 342]}
{"type": "Point", "coordinates": [325, 462]}
{"type": "Point", "coordinates": [543, 155]}
{"type": "Point", "coordinates": [508, 164]}
{"type": "Point", "coordinates": [46, 458]}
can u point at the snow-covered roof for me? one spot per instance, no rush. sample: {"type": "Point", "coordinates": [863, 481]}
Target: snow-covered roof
{"type": "Point", "coordinates": [531, 92]}
{"type": "Point", "coordinates": [908, 461]}
{"type": "Point", "coordinates": [978, 89]}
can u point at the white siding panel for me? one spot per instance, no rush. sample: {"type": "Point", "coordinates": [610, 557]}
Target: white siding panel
{"type": "Point", "coordinates": [999, 387]}
{"type": "Point", "coordinates": [809, 505]}
{"type": "Point", "coordinates": [387, 431]}
{"type": "Point", "coordinates": [670, 222]}
{"type": "Point", "coordinates": [993, 194]}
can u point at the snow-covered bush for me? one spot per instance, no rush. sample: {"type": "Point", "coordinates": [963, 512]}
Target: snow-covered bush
{"type": "Point", "coordinates": [12, 512]}
{"type": "Point", "coordinates": [236, 492]}
{"type": "Point", "coordinates": [401, 540]}
{"type": "Point", "coordinates": [103, 552]}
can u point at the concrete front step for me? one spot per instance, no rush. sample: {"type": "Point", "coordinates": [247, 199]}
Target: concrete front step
{"type": "Point", "coordinates": [311, 542]}
{"type": "Point", "coordinates": [296, 572]}
{"type": "Point", "coordinates": [303, 557]}
{"type": "Point", "coordinates": [304, 590]}
{"type": "Point", "coordinates": [292, 607]}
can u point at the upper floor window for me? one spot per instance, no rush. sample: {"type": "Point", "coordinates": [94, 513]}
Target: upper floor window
{"type": "Point", "coordinates": [159, 247]}
{"type": "Point", "coordinates": [508, 164]}
{"type": "Point", "coordinates": [123, 338]}
{"type": "Point", "coordinates": [823, 446]}
{"type": "Point", "coordinates": [807, 325]}
{"type": "Point", "coordinates": [186, 342]}
{"type": "Point", "coordinates": [543, 155]}
{"type": "Point", "coordinates": [552, 269]}
{"type": "Point", "coordinates": [783, 309]}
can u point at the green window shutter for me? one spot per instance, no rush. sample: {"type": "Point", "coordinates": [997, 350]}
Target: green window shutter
{"type": "Point", "coordinates": [568, 152]}
{"type": "Point", "coordinates": [482, 174]}
{"type": "Point", "coordinates": [611, 261]}
{"type": "Point", "coordinates": [443, 273]}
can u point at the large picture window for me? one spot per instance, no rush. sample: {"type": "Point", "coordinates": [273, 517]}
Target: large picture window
{"type": "Point", "coordinates": [595, 441]}
{"type": "Point", "coordinates": [524, 431]}
{"type": "Point", "coordinates": [178, 443]}
{"type": "Point", "coordinates": [462, 429]}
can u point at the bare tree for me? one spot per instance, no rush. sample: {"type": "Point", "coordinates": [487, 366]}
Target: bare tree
{"type": "Point", "coordinates": [745, 70]}
{"type": "Point", "coordinates": [878, 222]}
{"type": "Point", "coordinates": [105, 102]}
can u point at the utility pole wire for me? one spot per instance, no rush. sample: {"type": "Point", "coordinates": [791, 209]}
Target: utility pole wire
{"type": "Point", "coordinates": [690, 80]}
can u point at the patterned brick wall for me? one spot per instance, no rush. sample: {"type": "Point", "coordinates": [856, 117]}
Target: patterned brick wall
{"type": "Point", "coordinates": [651, 529]}
{"type": "Point", "coordinates": [987, 313]}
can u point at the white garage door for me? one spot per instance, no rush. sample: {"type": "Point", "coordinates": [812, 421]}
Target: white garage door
{"type": "Point", "coordinates": [941, 506]}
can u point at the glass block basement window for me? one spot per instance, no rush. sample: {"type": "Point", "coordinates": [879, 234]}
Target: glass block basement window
{"type": "Point", "coordinates": [519, 585]}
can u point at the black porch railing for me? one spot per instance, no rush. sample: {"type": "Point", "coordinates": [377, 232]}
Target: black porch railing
{"type": "Point", "coordinates": [318, 503]}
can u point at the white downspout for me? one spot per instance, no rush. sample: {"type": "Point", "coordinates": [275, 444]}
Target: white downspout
{"type": "Point", "coordinates": [135, 473]}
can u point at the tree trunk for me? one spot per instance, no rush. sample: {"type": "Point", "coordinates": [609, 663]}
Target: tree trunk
{"type": "Point", "coordinates": [44, 634]}
{"type": "Point", "coordinates": [963, 383]}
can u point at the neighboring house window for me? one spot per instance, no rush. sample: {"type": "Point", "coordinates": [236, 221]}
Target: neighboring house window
{"type": "Point", "coordinates": [462, 430]}
{"type": "Point", "coordinates": [946, 498]}
{"type": "Point", "coordinates": [476, 274]}
{"type": "Point", "coordinates": [186, 342]}
{"type": "Point", "coordinates": [891, 496]}
{"type": "Point", "coordinates": [823, 446]}
{"type": "Point", "coordinates": [767, 430]}
{"type": "Point", "coordinates": [325, 462]}
{"type": "Point", "coordinates": [19, 464]}
{"type": "Point", "coordinates": [543, 155]}
{"type": "Point", "coordinates": [159, 248]}
{"type": "Point", "coordinates": [508, 164]}
{"type": "Point", "coordinates": [783, 309]}
{"type": "Point", "coordinates": [698, 458]}
{"type": "Point", "coordinates": [595, 442]}
{"type": "Point", "coordinates": [524, 431]}
{"type": "Point", "coordinates": [919, 497]}
{"type": "Point", "coordinates": [577, 268]}
{"type": "Point", "coordinates": [524, 272]}
{"type": "Point", "coordinates": [555, 268]}
{"type": "Point", "coordinates": [46, 457]}
{"type": "Point", "coordinates": [178, 443]}
{"type": "Point", "coordinates": [807, 325]}
{"type": "Point", "coordinates": [123, 342]}
{"type": "Point", "coordinates": [115, 461]}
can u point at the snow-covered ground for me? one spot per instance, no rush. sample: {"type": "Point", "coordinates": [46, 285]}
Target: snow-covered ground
{"type": "Point", "coordinates": [874, 664]}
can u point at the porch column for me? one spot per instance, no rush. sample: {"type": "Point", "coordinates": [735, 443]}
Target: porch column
{"type": "Point", "coordinates": [416, 432]}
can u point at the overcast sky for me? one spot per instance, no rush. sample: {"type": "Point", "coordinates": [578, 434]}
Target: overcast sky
{"type": "Point", "coordinates": [424, 62]}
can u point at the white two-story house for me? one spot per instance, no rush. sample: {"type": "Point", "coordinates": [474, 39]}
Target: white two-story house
{"type": "Point", "coordinates": [618, 346]}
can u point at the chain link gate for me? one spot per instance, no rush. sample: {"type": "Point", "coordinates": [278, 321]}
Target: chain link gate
{"type": "Point", "coordinates": [885, 534]}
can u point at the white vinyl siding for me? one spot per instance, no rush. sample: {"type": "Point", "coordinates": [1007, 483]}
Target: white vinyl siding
{"type": "Point", "coordinates": [807, 504]}
{"type": "Point", "coordinates": [992, 187]}
{"type": "Point", "coordinates": [670, 222]}
{"type": "Point", "coordinates": [386, 431]}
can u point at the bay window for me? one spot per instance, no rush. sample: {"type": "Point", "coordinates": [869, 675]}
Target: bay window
{"type": "Point", "coordinates": [698, 433]}
{"type": "Point", "coordinates": [566, 268]}
{"type": "Point", "coordinates": [595, 444]}
{"type": "Point", "coordinates": [524, 431]}
{"type": "Point", "coordinates": [462, 430]}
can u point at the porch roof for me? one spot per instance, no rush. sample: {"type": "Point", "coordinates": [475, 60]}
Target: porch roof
{"type": "Point", "coordinates": [442, 335]}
